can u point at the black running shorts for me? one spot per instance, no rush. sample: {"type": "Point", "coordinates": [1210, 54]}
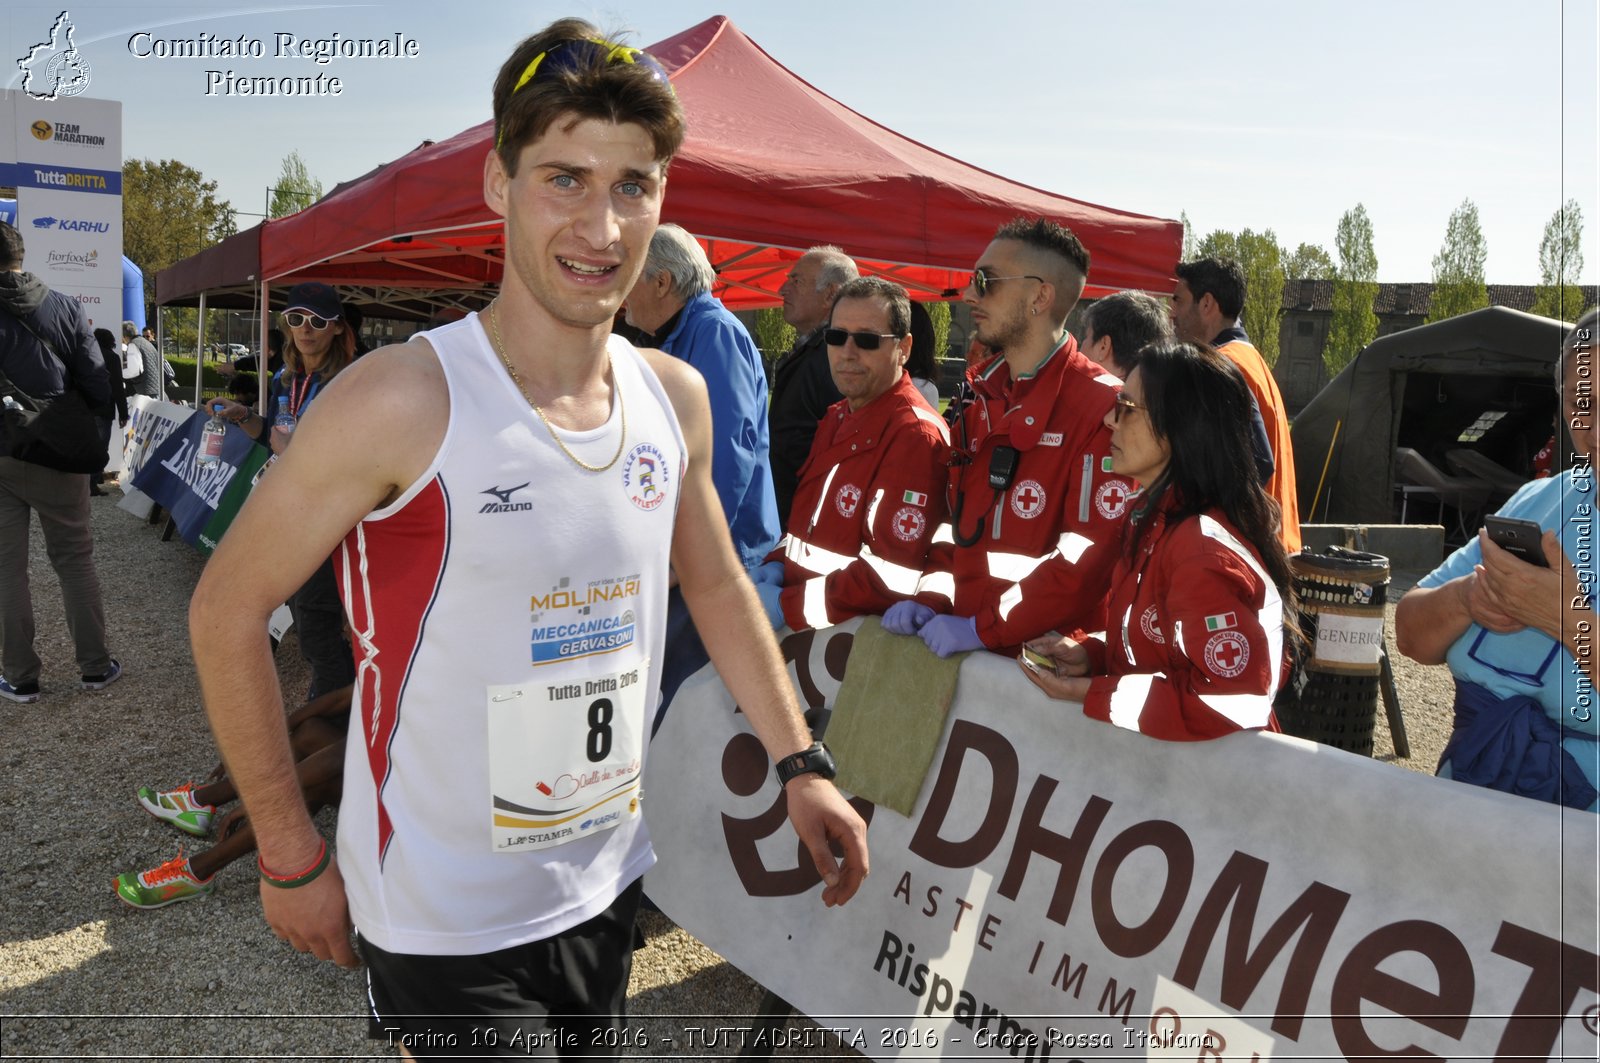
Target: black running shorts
{"type": "Point", "coordinates": [564, 997]}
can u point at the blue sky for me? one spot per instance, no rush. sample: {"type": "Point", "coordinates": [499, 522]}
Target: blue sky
{"type": "Point", "coordinates": [1242, 114]}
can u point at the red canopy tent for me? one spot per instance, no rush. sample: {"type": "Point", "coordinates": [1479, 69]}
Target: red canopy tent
{"type": "Point", "coordinates": [770, 167]}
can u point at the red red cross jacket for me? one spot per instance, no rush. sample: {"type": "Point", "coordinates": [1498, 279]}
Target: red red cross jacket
{"type": "Point", "coordinates": [1046, 544]}
{"type": "Point", "coordinates": [871, 494]}
{"type": "Point", "coordinates": [1194, 647]}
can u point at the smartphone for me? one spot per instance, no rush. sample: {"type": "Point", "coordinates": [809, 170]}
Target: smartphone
{"type": "Point", "coordinates": [1522, 538]}
{"type": "Point", "coordinates": [1037, 661]}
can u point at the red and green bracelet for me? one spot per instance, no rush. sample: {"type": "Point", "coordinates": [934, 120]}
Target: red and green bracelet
{"type": "Point", "coordinates": [289, 882]}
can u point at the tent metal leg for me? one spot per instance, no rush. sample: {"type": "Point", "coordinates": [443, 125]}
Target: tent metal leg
{"type": "Point", "coordinates": [1391, 706]}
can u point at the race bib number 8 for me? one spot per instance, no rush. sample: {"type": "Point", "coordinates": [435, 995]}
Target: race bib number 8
{"type": "Point", "coordinates": [564, 758]}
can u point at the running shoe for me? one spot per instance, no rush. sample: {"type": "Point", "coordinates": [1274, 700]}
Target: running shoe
{"type": "Point", "coordinates": [168, 884]}
{"type": "Point", "coordinates": [100, 682]}
{"type": "Point", "coordinates": [22, 693]}
{"type": "Point", "coordinates": [179, 808]}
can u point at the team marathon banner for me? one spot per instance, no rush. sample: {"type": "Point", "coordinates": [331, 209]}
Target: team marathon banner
{"type": "Point", "coordinates": [202, 500]}
{"type": "Point", "coordinates": [1066, 889]}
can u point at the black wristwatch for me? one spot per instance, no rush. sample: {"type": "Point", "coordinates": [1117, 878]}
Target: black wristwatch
{"type": "Point", "coordinates": [816, 759]}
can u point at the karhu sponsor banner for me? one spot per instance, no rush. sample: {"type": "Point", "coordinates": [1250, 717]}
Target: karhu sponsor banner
{"type": "Point", "coordinates": [1066, 889]}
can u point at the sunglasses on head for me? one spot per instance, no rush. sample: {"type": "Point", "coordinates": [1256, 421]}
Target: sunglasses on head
{"type": "Point", "coordinates": [294, 319]}
{"type": "Point", "coordinates": [1122, 405]}
{"type": "Point", "coordinates": [570, 57]}
{"type": "Point", "coordinates": [982, 279]}
{"type": "Point", "coordinates": [866, 341]}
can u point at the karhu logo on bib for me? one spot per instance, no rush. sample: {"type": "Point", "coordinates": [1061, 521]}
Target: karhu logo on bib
{"type": "Point", "coordinates": [505, 505]}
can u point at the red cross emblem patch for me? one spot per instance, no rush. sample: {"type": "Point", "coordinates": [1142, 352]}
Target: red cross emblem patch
{"type": "Point", "coordinates": [909, 524]}
{"type": "Point", "coordinates": [1227, 653]}
{"type": "Point", "coordinates": [846, 501]}
{"type": "Point", "coordinates": [1027, 499]}
{"type": "Point", "coordinates": [1151, 629]}
{"type": "Point", "coordinates": [1111, 499]}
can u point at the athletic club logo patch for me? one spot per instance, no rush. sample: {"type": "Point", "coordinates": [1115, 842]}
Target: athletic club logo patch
{"type": "Point", "coordinates": [644, 477]}
{"type": "Point", "coordinates": [1151, 629]}
{"type": "Point", "coordinates": [846, 501]}
{"type": "Point", "coordinates": [1227, 653]}
{"type": "Point", "coordinates": [1111, 499]}
{"type": "Point", "coordinates": [1027, 499]}
{"type": "Point", "coordinates": [909, 524]}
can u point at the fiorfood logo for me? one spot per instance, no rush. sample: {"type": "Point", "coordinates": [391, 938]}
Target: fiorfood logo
{"type": "Point", "coordinates": [74, 261]}
{"type": "Point", "coordinates": [54, 67]}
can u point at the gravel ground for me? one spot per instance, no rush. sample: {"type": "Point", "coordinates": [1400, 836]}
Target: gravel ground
{"type": "Point", "coordinates": [83, 976]}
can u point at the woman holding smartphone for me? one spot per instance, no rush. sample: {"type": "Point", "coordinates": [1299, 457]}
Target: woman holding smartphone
{"type": "Point", "coordinates": [1200, 609]}
{"type": "Point", "coordinates": [1520, 637]}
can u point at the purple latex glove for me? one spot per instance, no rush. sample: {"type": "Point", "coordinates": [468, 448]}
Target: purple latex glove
{"type": "Point", "coordinates": [950, 635]}
{"type": "Point", "coordinates": [907, 618]}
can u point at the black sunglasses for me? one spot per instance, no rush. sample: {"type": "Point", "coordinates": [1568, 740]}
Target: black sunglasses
{"type": "Point", "coordinates": [982, 279]}
{"type": "Point", "coordinates": [294, 319]}
{"type": "Point", "coordinates": [866, 341]}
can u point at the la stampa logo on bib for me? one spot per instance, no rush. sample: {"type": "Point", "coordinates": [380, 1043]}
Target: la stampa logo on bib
{"type": "Point", "coordinates": [645, 476]}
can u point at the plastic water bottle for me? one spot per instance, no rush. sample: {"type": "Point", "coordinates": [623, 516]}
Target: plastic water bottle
{"type": "Point", "coordinates": [216, 430]}
{"type": "Point", "coordinates": [284, 421]}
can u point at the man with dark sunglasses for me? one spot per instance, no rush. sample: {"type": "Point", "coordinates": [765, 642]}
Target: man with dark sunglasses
{"type": "Point", "coordinates": [872, 491]}
{"type": "Point", "coordinates": [802, 387]}
{"type": "Point", "coordinates": [506, 493]}
{"type": "Point", "coordinates": [1035, 512]}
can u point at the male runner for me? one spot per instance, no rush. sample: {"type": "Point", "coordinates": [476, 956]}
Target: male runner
{"type": "Point", "coordinates": [509, 491]}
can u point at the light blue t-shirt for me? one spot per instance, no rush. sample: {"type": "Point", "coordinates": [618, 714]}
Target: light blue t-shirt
{"type": "Point", "coordinates": [1528, 662]}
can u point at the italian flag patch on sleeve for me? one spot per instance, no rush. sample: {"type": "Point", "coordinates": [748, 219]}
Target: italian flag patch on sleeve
{"type": "Point", "coordinates": [915, 498]}
{"type": "Point", "coordinates": [1105, 463]}
{"type": "Point", "coordinates": [1222, 621]}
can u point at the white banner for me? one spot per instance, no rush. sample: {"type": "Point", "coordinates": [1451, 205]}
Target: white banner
{"type": "Point", "coordinates": [65, 158]}
{"type": "Point", "coordinates": [1069, 890]}
{"type": "Point", "coordinates": [150, 422]}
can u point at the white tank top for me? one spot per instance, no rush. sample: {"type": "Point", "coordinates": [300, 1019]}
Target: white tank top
{"type": "Point", "coordinates": [508, 612]}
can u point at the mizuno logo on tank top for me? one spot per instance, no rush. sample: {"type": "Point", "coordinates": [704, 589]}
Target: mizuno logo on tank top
{"type": "Point", "coordinates": [505, 505]}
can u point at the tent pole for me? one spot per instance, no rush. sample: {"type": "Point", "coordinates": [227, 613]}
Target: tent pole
{"type": "Point", "coordinates": [1325, 463]}
{"type": "Point", "coordinates": [200, 349]}
{"type": "Point", "coordinates": [263, 352]}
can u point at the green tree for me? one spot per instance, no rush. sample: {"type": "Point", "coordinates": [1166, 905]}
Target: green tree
{"type": "Point", "coordinates": [1458, 281]}
{"type": "Point", "coordinates": [1560, 264]}
{"type": "Point", "coordinates": [939, 315]}
{"type": "Point", "coordinates": [1355, 289]}
{"type": "Point", "coordinates": [773, 335]}
{"type": "Point", "coordinates": [169, 212]}
{"type": "Point", "coordinates": [1262, 261]}
{"type": "Point", "coordinates": [295, 188]}
{"type": "Point", "coordinates": [1190, 249]}
{"type": "Point", "coordinates": [1308, 262]}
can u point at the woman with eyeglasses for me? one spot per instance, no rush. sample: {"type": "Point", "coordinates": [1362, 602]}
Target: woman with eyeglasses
{"type": "Point", "coordinates": [317, 346]}
{"type": "Point", "coordinates": [1200, 611]}
{"type": "Point", "coordinates": [1519, 632]}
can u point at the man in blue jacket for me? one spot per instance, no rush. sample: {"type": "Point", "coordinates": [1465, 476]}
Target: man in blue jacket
{"type": "Point", "coordinates": [30, 311]}
{"type": "Point", "coordinates": [672, 301]}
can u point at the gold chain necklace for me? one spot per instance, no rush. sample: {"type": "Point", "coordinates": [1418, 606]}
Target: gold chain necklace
{"type": "Point", "coordinates": [500, 349]}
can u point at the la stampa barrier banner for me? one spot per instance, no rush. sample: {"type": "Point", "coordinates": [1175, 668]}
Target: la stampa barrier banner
{"type": "Point", "coordinates": [1069, 890]}
{"type": "Point", "coordinates": [201, 499]}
